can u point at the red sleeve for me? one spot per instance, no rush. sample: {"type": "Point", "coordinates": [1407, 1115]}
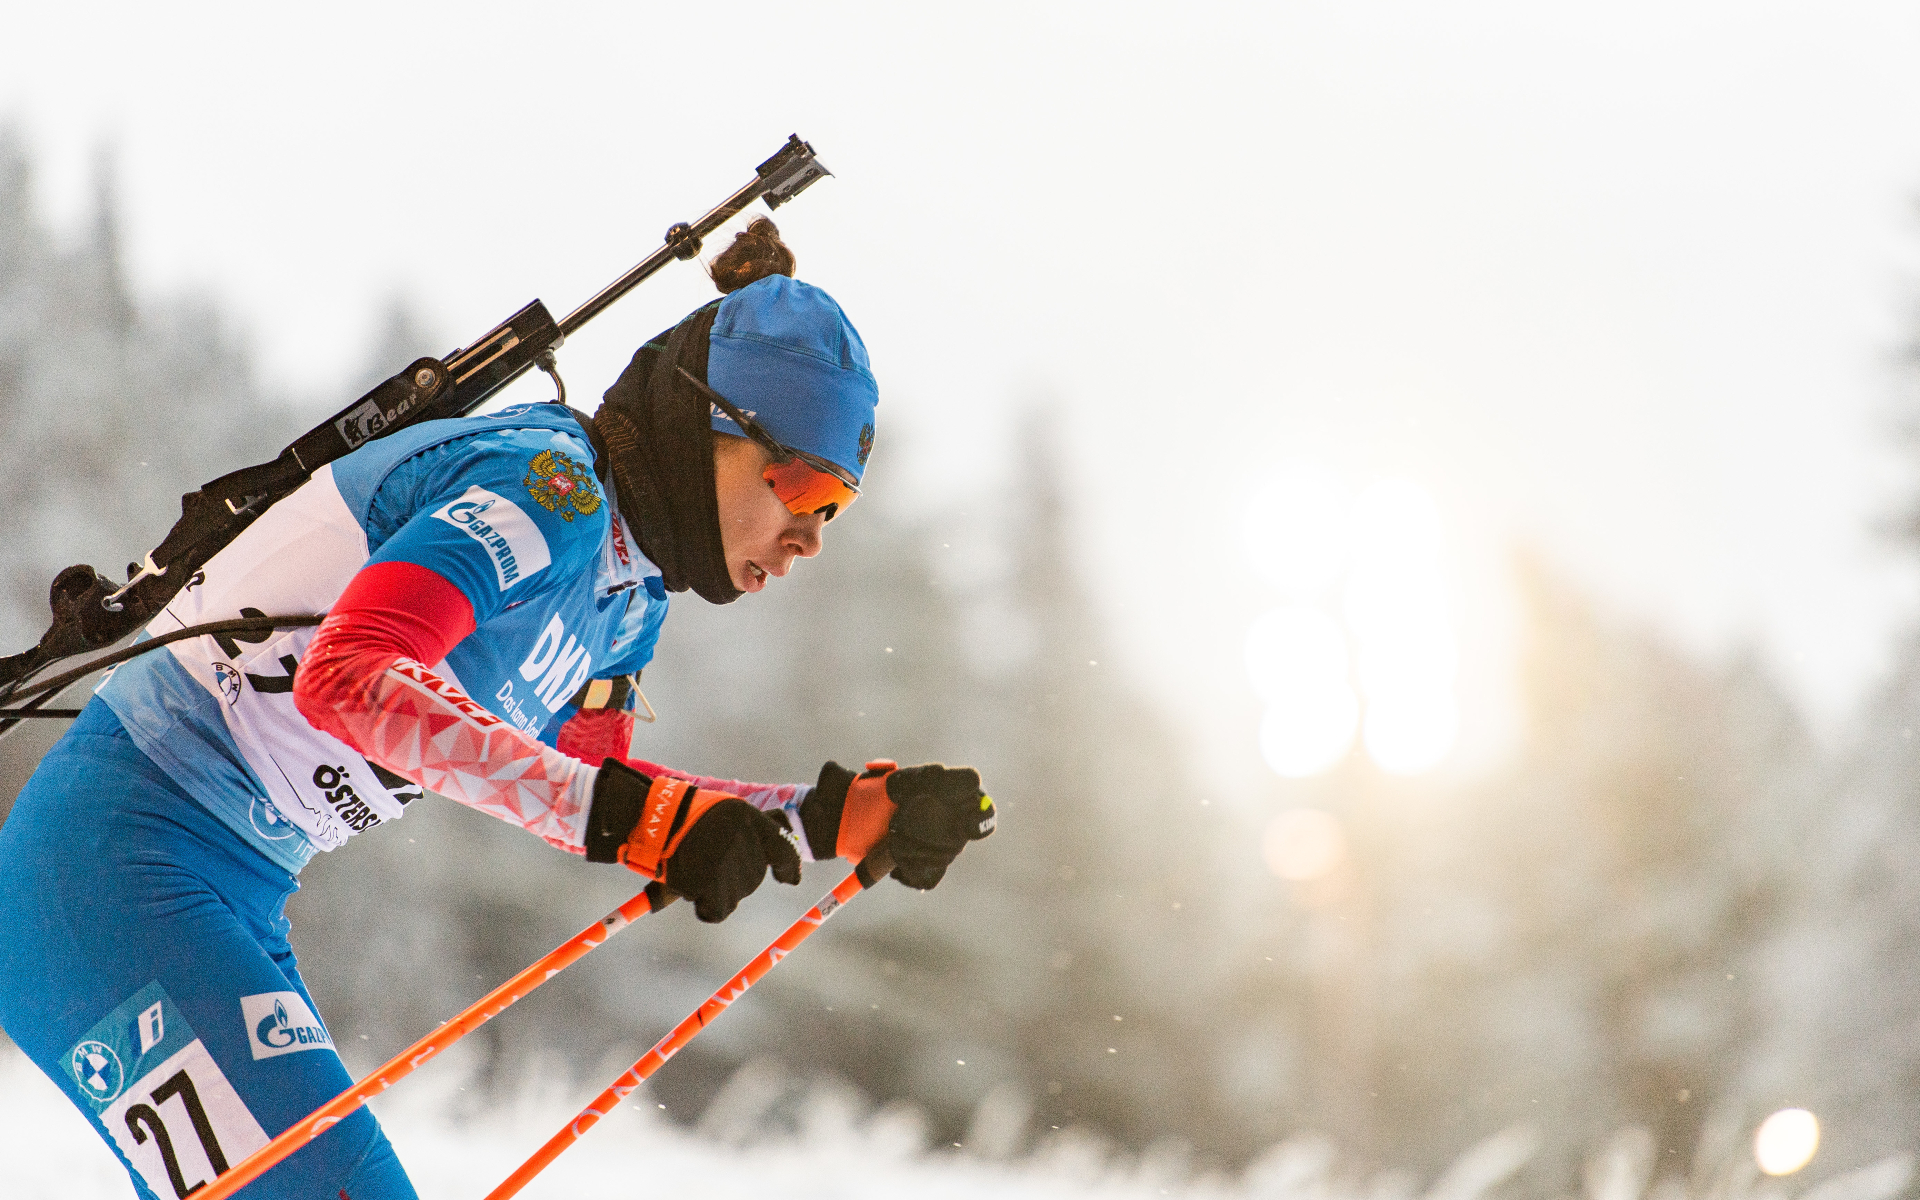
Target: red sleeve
{"type": "Point", "coordinates": [389, 611]}
{"type": "Point", "coordinates": [364, 680]}
{"type": "Point", "coordinates": [403, 607]}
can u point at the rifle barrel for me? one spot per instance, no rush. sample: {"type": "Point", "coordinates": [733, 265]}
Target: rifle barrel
{"type": "Point", "coordinates": [719, 215]}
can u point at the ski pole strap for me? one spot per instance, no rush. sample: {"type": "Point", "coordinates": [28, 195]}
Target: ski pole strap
{"type": "Point", "coordinates": [868, 812]}
{"type": "Point", "coordinates": [670, 810]}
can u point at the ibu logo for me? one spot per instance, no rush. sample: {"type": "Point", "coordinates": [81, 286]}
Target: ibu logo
{"type": "Point", "coordinates": [152, 1025]}
{"type": "Point", "coordinates": [282, 1023]}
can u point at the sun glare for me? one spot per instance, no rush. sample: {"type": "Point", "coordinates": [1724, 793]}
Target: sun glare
{"type": "Point", "coordinates": [1304, 844]}
{"type": "Point", "coordinates": [1407, 733]}
{"type": "Point", "coordinates": [1786, 1141]}
{"type": "Point", "coordinates": [1395, 521]}
{"type": "Point", "coordinates": [1379, 555]}
{"type": "Point", "coordinates": [1294, 650]}
{"type": "Point", "coordinates": [1309, 731]}
{"type": "Point", "coordinates": [1295, 530]}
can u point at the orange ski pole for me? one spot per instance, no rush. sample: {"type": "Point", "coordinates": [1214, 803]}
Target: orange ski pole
{"type": "Point", "coordinates": [872, 868]}
{"type": "Point", "coordinates": [489, 1006]}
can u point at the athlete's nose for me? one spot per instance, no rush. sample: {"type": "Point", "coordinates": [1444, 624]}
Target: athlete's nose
{"type": "Point", "coordinates": [805, 537]}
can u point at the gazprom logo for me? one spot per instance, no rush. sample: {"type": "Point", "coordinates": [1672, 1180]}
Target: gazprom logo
{"type": "Point", "coordinates": [281, 1023]}
{"type": "Point", "coordinates": [512, 540]}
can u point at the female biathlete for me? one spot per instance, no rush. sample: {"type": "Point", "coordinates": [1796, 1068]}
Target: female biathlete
{"type": "Point", "coordinates": [492, 584]}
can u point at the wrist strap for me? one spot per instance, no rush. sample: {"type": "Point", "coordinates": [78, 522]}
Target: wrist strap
{"type": "Point", "coordinates": [670, 810]}
{"type": "Point", "coordinates": [868, 812]}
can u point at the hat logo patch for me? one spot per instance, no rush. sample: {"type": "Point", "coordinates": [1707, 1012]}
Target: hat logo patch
{"type": "Point", "coordinates": [866, 443]}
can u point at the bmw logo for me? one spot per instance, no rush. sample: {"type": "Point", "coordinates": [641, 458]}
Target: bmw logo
{"type": "Point", "coordinates": [96, 1068]}
{"type": "Point", "coordinates": [229, 680]}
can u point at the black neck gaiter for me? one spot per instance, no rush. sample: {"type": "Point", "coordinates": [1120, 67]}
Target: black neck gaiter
{"type": "Point", "coordinates": [656, 434]}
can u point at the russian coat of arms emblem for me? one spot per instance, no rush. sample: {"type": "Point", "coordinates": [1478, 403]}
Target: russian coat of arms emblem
{"type": "Point", "coordinates": [561, 485]}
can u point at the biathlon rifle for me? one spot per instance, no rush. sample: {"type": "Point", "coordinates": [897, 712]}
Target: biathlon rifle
{"type": "Point", "coordinates": [91, 612]}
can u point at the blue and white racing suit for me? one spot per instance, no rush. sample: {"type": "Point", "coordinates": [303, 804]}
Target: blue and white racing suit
{"type": "Point", "coordinates": [144, 869]}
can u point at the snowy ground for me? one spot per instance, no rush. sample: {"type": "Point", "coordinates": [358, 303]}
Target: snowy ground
{"type": "Point", "coordinates": [829, 1147]}
{"type": "Point", "coordinates": [832, 1149]}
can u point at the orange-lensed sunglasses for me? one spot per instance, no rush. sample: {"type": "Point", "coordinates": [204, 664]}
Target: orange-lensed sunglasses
{"type": "Point", "coordinates": [805, 483]}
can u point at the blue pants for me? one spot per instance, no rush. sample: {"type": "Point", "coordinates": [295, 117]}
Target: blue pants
{"type": "Point", "coordinates": [144, 966]}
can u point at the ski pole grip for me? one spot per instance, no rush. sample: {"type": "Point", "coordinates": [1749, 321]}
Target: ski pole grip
{"type": "Point", "coordinates": [659, 895]}
{"type": "Point", "coordinates": [875, 866]}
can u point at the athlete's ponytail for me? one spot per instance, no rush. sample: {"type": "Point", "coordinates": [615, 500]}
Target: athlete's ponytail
{"type": "Point", "coordinates": [756, 253]}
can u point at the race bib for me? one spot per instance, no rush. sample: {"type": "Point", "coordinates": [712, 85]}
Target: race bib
{"type": "Point", "coordinates": [170, 1109]}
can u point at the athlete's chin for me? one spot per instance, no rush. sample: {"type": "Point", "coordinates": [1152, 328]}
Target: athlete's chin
{"type": "Point", "coordinates": [748, 578]}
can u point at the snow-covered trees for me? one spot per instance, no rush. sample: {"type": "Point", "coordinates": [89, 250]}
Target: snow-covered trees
{"type": "Point", "coordinates": [111, 407]}
{"type": "Point", "coordinates": [1671, 911]}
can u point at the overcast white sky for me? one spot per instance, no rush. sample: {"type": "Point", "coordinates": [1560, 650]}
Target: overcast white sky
{"type": "Point", "coordinates": [1624, 282]}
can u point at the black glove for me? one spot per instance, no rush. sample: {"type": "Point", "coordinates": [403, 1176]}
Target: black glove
{"type": "Point", "coordinates": [726, 854]}
{"type": "Point", "coordinates": [717, 862]}
{"type": "Point", "coordinates": [940, 809]}
{"type": "Point", "coordinates": [927, 813]}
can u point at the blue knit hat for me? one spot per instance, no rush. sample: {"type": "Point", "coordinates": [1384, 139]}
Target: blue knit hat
{"type": "Point", "coordinates": [784, 353]}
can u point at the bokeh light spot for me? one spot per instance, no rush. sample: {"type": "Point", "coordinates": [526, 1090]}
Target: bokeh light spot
{"type": "Point", "coordinates": [1309, 730]}
{"type": "Point", "coordinates": [1382, 598]}
{"type": "Point", "coordinates": [1410, 732]}
{"type": "Point", "coordinates": [1786, 1141]}
{"type": "Point", "coordinates": [1304, 536]}
{"type": "Point", "coordinates": [1396, 521]}
{"type": "Point", "coordinates": [1295, 531]}
{"type": "Point", "coordinates": [1419, 656]}
{"type": "Point", "coordinates": [1304, 844]}
{"type": "Point", "coordinates": [1295, 649]}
